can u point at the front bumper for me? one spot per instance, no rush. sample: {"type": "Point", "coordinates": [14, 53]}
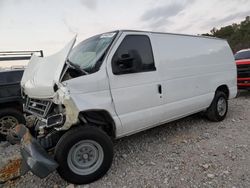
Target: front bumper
{"type": "Point", "coordinates": [38, 161]}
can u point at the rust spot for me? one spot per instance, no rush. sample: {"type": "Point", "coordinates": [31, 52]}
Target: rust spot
{"type": "Point", "coordinates": [11, 170]}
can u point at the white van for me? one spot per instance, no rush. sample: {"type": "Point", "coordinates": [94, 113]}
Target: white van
{"type": "Point", "coordinates": [116, 84]}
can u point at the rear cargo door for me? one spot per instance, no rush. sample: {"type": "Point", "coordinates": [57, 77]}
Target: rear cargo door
{"type": "Point", "coordinates": [134, 82]}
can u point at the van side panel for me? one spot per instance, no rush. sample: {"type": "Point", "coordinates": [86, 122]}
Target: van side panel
{"type": "Point", "coordinates": [190, 70]}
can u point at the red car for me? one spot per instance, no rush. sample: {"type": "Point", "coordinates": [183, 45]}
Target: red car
{"type": "Point", "coordinates": [242, 58]}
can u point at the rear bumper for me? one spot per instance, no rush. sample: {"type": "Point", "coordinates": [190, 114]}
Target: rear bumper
{"type": "Point", "coordinates": [34, 155]}
{"type": "Point", "coordinates": [243, 83]}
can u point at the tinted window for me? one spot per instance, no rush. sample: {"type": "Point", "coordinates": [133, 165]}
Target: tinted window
{"type": "Point", "coordinates": [242, 55]}
{"type": "Point", "coordinates": [136, 50]}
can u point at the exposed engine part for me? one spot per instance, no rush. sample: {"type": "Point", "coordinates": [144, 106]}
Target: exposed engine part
{"type": "Point", "coordinates": [50, 140]}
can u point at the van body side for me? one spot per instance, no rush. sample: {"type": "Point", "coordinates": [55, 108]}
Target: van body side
{"type": "Point", "coordinates": [189, 69]}
{"type": "Point", "coordinates": [113, 85]}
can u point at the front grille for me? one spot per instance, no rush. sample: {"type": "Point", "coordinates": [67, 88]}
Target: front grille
{"type": "Point", "coordinates": [37, 106]}
{"type": "Point", "coordinates": [243, 71]}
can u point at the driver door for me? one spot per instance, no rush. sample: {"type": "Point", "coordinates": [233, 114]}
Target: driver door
{"type": "Point", "coordinates": [134, 82]}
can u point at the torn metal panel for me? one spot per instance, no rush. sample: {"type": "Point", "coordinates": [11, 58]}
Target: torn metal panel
{"type": "Point", "coordinates": [71, 113]}
{"type": "Point", "coordinates": [37, 159]}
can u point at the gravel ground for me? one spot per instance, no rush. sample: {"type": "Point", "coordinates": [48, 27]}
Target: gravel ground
{"type": "Point", "coordinates": [191, 152]}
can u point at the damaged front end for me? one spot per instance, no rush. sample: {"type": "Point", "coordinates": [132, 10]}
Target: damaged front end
{"type": "Point", "coordinates": [53, 117]}
{"type": "Point", "coordinates": [49, 102]}
{"type": "Point", "coordinates": [34, 155]}
{"type": "Point", "coordinates": [47, 98]}
{"type": "Point", "coordinates": [38, 139]}
{"type": "Point", "coordinates": [50, 97]}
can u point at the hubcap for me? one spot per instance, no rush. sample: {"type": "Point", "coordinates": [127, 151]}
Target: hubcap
{"type": "Point", "coordinates": [85, 157]}
{"type": "Point", "coordinates": [222, 106]}
{"type": "Point", "coordinates": [6, 123]}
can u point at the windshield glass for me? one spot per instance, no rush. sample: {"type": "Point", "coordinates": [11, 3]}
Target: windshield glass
{"type": "Point", "coordinates": [87, 53]}
{"type": "Point", "coordinates": [242, 55]}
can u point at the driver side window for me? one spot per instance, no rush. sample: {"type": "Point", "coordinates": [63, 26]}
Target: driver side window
{"type": "Point", "coordinates": [133, 55]}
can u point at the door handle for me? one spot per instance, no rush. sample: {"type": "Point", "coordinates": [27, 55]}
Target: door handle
{"type": "Point", "coordinates": [159, 89]}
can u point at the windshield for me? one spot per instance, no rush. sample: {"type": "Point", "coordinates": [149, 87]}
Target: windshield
{"type": "Point", "coordinates": [87, 53]}
{"type": "Point", "coordinates": [242, 55]}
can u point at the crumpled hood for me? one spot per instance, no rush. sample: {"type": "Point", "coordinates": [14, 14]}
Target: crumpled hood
{"type": "Point", "coordinates": [42, 73]}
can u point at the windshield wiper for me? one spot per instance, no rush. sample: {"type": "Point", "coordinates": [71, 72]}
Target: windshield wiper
{"type": "Point", "coordinates": [77, 67]}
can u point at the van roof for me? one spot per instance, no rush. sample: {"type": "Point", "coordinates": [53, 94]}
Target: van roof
{"type": "Point", "coordinates": [189, 35]}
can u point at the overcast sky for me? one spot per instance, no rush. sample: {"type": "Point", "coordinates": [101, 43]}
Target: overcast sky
{"type": "Point", "coordinates": [49, 24]}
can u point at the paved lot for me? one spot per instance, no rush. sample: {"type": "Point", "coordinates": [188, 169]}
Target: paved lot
{"type": "Point", "coordinates": [191, 152]}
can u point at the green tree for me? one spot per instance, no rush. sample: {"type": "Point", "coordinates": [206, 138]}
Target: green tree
{"type": "Point", "coordinates": [237, 35]}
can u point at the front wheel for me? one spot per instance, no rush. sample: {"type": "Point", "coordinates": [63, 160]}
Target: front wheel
{"type": "Point", "coordinates": [218, 109]}
{"type": "Point", "coordinates": [84, 155]}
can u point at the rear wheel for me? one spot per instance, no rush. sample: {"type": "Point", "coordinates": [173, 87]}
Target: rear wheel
{"type": "Point", "coordinates": [218, 109]}
{"type": "Point", "coordinates": [84, 155]}
{"type": "Point", "coordinates": [9, 118]}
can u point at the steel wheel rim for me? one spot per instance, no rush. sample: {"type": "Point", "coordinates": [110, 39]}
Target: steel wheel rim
{"type": "Point", "coordinates": [85, 157]}
{"type": "Point", "coordinates": [222, 106]}
{"type": "Point", "coordinates": [6, 123]}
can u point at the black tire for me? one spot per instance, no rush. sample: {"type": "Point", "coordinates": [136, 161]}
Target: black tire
{"type": "Point", "coordinates": [69, 140]}
{"type": "Point", "coordinates": [10, 112]}
{"type": "Point", "coordinates": [212, 112]}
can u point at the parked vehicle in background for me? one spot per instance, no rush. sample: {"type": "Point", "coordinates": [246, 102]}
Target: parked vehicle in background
{"type": "Point", "coordinates": [117, 84]}
{"type": "Point", "coordinates": [11, 102]}
{"type": "Point", "coordinates": [242, 58]}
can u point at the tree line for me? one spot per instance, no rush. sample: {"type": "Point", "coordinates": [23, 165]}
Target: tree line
{"type": "Point", "coordinates": [237, 35]}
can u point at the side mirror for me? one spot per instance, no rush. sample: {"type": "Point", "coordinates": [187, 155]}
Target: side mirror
{"type": "Point", "coordinates": [127, 63]}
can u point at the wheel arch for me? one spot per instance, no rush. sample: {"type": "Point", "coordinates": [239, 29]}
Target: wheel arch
{"type": "Point", "coordinates": [223, 88]}
{"type": "Point", "coordinates": [100, 118]}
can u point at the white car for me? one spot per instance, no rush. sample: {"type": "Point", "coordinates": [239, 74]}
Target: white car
{"type": "Point", "coordinates": [116, 84]}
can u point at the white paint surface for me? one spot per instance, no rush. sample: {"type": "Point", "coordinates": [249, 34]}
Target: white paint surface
{"type": "Point", "coordinates": [189, 69]}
